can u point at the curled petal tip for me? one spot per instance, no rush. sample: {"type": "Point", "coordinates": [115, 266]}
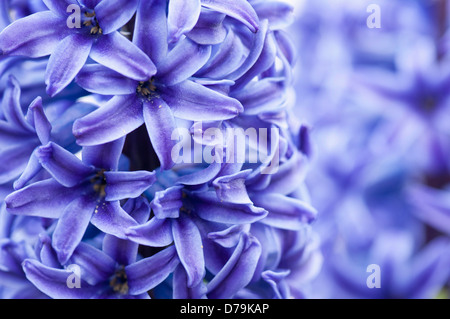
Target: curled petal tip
{"type": "Point", "coordinates": [45, 153]}
{"type": "Point", "coordinates": [36, 104]}
{"type": "Point", "coordinates": [8, 202]}
{"type": "Point", "coordinates": [52, 90]}
{"type": "Point", "coordinates": [78, 131]}
{"type": "Point", "coordinates": [17, 185]}
{"type": "Point", "coordinates": [63, 256]}
{"type": "Point", "coordinates": [26, 265]}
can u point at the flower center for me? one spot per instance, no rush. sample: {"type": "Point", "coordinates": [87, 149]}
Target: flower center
{"type": "Point", "coordinates": [147, 89]}
{"type": "Point", "coordinates": [99, 183]}
{"type": "Point", "coordinates": [91, 21]}
{"type": "Point", "coordinates": [119, 282]}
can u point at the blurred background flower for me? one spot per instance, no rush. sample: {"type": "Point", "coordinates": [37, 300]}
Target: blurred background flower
{"type": "Point", "coordinates": [376, 100]}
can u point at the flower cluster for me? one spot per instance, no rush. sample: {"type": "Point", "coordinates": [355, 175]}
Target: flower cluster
{"type": "Point", "coordinates": [381, 173]}
{"type": "Point", "coordinates": [94, 203]}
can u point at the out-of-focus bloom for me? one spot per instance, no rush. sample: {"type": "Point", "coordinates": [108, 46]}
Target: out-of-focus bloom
{"type": "Point", "coordinates": [379, 158]}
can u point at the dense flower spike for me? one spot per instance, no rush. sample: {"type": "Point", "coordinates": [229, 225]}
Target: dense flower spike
{"type": "Point", "coordinates": [114, 209]}
{"type": "Point", "coordinates": [172, 149]}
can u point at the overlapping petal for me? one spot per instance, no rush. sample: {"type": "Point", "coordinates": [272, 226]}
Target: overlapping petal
{"type": "Point", "coordinates": [34, 36]}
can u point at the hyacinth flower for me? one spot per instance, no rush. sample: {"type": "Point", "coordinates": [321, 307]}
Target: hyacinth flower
{"type": "Point", "coordinates": [111, 272]}
{"type": "Point", "coordinates": [406, 272]}
{"type": "Point", "coordinates": [80, 192]}
{"type": "Point", "coordinates": [179, 217]}
{"type": "Point", "coordinates": [157, 100]}
{"type": "Point", "coordinates": [17, 238]}
{"type": "Point", "coordinates": [48, 33]}
{"type": "Point", "coordinates": [211, 229]}
{"type": "Point", "coordinates": [21, 133]}
{"type": "Point", "coordinates": [289, 260]}
{"type": "Point", "coordinates": [188, 17]}
{"type": "Point", "coordinates": [14, 282]}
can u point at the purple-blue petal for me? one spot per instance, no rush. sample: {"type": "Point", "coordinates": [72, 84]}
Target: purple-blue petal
{"type": "Point", "coordinates": [181, 290]}
{"type": "Point", "coordinates": [186, 58]}
{"type": "Point", "coordinates": [124, 251]}
{"type": "Point", "coordinates": [35, 199]}
{"type": "Point", "coordinates": [279, 14]}
{"type": "Point", "coordinates": [62, 68]}
{"type": "Point", "coordinates": [112, 219]}
{"type": "Point", "coordinates": [284, 212]}
{"type": "Point", "coordinates": [188, 243]}
{"type": "Point", "coordinates": [41, 123]}
{"type": "Point", "coordinates": [71, 227]}
{"type": "Point", "coordinates": [202, 176]}
{"type": "Point", "coordinates": [150, 32]}
{"type": "Point", "coordinates": [167, 203]}
{"type": "Point", "coordinates": [96, 266]}
{"type": "Point", "coordinates": [59, 7]}
{"type": "Point", "coordinates": [53, 282]}
{"type": "Point", "coordinates": [209, 28]}
{"type": "Point", "coordinates": [229, 237]}
{"type": "Point", "coordinates": [209, 207]}
{"type": "Point", "coordinates": [238, 271]}
{"type": "Point", "coordinates": [265, 60]}
{"type": "Point", "coordinates": [18, 155]}
{"type": "Point", "coordinates": [193, 101]}
{"type": "Point", "coordinates": [31, 170]}
{"type": "Point", "coordinates": [160, 124]}
{"type": "Point", "coordinates": [64, 166]}
{"type": "Point", "coordinates": [226, 59]}
{"type": "Point", "coordinates": [12, 109]}
{"type": "Point", "coordinates": [182, 17]}
{"type": "Point", "coordinates": [112, 19]}
{"type": "Point", "coordinates": [36, 35]}
{"type": "Point", "coordinates": [241, 10]}
{"type": "Point", "coordinates": [121, 55]}
{"type": "Point", "coordinates": [104, 156]}
{"type": "Point", "coordinates": [154, 233]}
{"type": "Point", "coordinates": [151, 271]}
{"type": "Point", "coordinates": [97, 78]}
{"type": "Point", "coordinates": [258, 42]}
{"type": "Point", "coordinates": [123, 185]}
{"type": "Point", "coordinates": [231, 188]}
{"type": "Point", "coordinates": [101, 127]}
{"type": "Point", "coordinates": [277, 282]}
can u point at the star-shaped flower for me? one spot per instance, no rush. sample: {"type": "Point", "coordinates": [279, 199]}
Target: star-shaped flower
{"type": "Point", "coordinates": [112, 272]}
{"type": "Point", "coordinates": [81, 192]}
{"type": "Point", "coordinates": [157, 100]}
{"type": "Point", "coordinates": [47, 33]}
